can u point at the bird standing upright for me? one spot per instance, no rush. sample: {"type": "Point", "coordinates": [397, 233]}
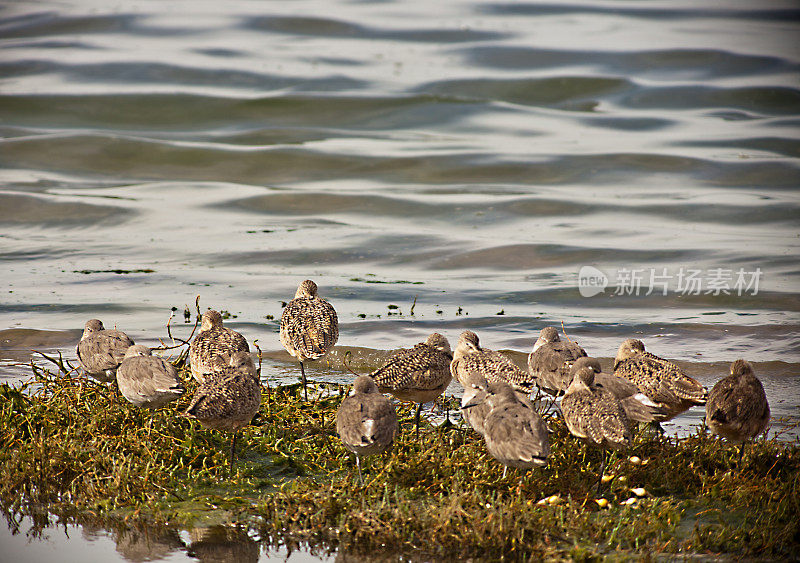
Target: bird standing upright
{"type": "Point", "coordinates": [737, 407]}
{"type": "Point", "coordinates": [309, 327]}
{"type": "Point", "coordinates": [661, 380]}
{"type": "Point", "coordinates": [492, 365]}
{"type": "Point", "coordinates": [365, 420]}
{"type": "Point", "coordinates": [514, 433]}
{"type": "Point", "coordinates": [419, 374]}
{"type": "Point", "coordinates": [229, 397]}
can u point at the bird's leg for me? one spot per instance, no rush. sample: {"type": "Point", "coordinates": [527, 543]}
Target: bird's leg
{"type": "Point", "coordinates": [505, 469]}
{"type": "Point", "coordinates": [416, 418]}
{"type": "Point", "coordinates": [233, 448]}
{"type": "Point", "coordinates": [303, 379]}
{"type": "Point", "coordinates": [358, 464]}
{"type": "Point", "coordinates": [741, 455]}
{"type": "Point", "coordinates": [602, 471]}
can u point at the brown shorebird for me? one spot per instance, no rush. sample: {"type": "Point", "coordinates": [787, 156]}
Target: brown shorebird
{"type": "Point", "coordinates": [213, 340]}
{"type": "Point", "coordinates": [100, 351]}
{"type": "Point", "coordinates": [475, 410]}
{"type": "Point", "coordinates": [636, 405]}
{"type": "Point", "coordinates": [493, 366]}
{"type": "Point", "coordinates": [309, 327]}
{"type": "Point", "coordinates": [366, 421]}
{"type": "Point", "coordinates": [419, 374]}
{"type": "Point", "coordinates": [229, 397]}
{"type": "Point", "coordinates": [147, 381]}
{"type": "Point", "coordinates": [737, 407]}
{"type": "Point", "coordinates": [593, 413]}
{"type": "Point", "coordinates": [514, 433]}
{"type": "Point", "coordinates": [550, 362]}
{"type": "Point", "coordinates": [661, 380]}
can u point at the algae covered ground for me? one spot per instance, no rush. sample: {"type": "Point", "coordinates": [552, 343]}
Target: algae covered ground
{"type": "Point", "coordinates": [72, 450]}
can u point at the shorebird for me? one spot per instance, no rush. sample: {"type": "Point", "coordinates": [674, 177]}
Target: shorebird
{"type": "Point", "coordinates": [229, 397]}
{"type": "Point", "coordinates": [148, 381]}
{"type": "Point", "coordinates": [514, 433]}
{"type": "Point", "coordinates": [551, 360]}
{"type": "Point", "coordinates": [419, 374]}
{"type": "Point", "coordinates": [493, 366]}
{"type": "Point", "coordinates": [475, 411]}
{"type": "Point", "coordinates": [637, 406]}
{"type": "Point", "coordinates": [661, 380]}
{"type": "Point", "coordinates": [309, 327]}
{"type": "Point", "coordinates": [213, 340]}
{"type": "Point", "coordinates": [594, 413]}
{"type": "Point", "coordinates": [366, 421]}
{"type": "Point", "coordinates": [100, 351]}
{"type": "Point", "coordinates": [737, 407]}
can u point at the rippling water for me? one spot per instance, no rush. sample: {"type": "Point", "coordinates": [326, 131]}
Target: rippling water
{"type": "Point", "coordinates": [463, 158]}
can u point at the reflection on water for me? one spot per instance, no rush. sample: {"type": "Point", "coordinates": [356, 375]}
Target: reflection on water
{"type": "Point", "coordinates": [464, 158]}
{"type": "Point", "coordinates": [45, 538]}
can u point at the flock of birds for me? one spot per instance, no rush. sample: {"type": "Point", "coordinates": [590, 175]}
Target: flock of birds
{"type": "Point", "coordinates": [598, 407]}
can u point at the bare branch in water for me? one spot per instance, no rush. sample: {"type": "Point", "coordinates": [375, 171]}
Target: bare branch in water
{"type": "Point", "coordinates": [347, 362]}
{"type": "Point", "coordinates": [59, 362]}
{"type": "Point", "coordinates": [565, 333]}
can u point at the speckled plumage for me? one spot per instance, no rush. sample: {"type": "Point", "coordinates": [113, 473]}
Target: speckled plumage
{"type": "Point", "coordinates": [593, 413]}
{"type": "Point", "coordinates": [101, 351]}
{"type": "Point", "coordinates": [419, 374]}
{"type": "Point", "coordinates": [661, 380]}
{"type": "Point", "coordinates": [213, 340]}
{"type": "Point", "coordinates": [365, 420]}
{"type": "Point", "coordinates": [309, 326]}
{"type": "Point", "coordinates": [637, 406]}
{"type": "Point", "coordinates": [514, 433]}
{"type": "Point", "coordinates": [551, 360]}
{"type": "Point", "coordinates": [494, 366]}
{"type": "Point", "coordinates": [148, 381]}
{"type": "Point", "coordinates": [737, 407]}
{"type": "Point", "coordinates": [229, 397]}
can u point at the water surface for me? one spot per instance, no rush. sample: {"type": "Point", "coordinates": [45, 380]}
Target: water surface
{"type": "Point", "coordinates": [460, 160]}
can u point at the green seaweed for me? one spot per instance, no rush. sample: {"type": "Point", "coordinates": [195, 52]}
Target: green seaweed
{"type": "Point", "coordinates": [77, 449]}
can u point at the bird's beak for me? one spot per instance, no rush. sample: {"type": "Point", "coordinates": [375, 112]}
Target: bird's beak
{"type": "Point", "coordinates": [473, 397]}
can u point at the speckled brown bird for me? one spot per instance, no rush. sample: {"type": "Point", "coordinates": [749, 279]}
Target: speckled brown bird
{"type": "Point", "coordinates": [737, 407]}
{"type": "Point", "coordinates": [213, 340]}
{"type": "Point", "coordinates": [551, 360]}
{"type": "Point", "coordinates": [148, 381]}
{"type": "Point", "coordinates": [593, 413]}
{"type": "Point", "coordinates": [309, 327]}
{"type": "Point", "coordinates": [661, 380]}
{"type": "Point", "coordinates": [514, 433]}
{"type": "Point", "coordinates": [229, 397]}
{"type": "Point", "coordinates": [493, 366]}
{"type": "Point", "coordinates": [366, 421]}
{"type": "Point", "coordinates": [101, 351]}
{"type": "Point", "coordinates": [637, 406]}
{"type": "Point", "coordinates": [419, 374]}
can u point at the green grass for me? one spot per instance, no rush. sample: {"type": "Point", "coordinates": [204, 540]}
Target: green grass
{"type": "Point", "coordinates": [76, 449]}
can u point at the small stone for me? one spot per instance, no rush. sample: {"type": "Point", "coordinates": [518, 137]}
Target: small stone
{"type": "Point", "coordinates": [639, 491]}
{"type": "Point", "coordinates": [601, 502]}
{"type": "Point", "coordinates": [635, 460]}
{"type": "Point", "coordinates": [606, 478]}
